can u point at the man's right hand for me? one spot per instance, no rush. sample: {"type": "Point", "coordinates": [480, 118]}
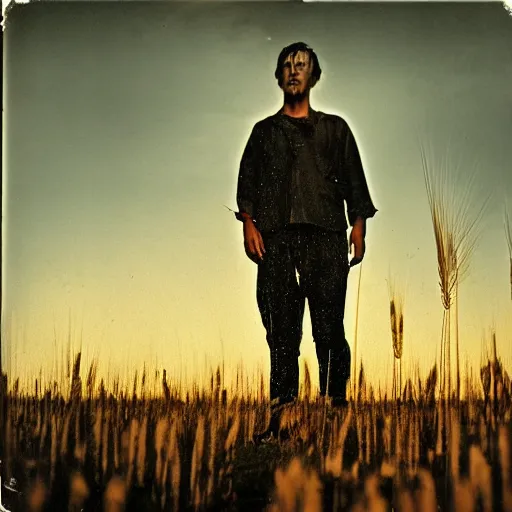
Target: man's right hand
{"type": "Point", "coordinates": [253, 241]}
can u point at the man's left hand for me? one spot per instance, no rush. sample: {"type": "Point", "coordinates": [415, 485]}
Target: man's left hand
{"type": "Point", "coordinates": [357, 240]}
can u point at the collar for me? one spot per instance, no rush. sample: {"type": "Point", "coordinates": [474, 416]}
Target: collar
{"type": "Point", "coordinates": [313, 115]}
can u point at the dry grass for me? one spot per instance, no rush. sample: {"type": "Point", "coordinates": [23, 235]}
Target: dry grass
{"type": "Point", "coordinates": [456, 223]}
{"type": "Point", "coordinates": [396, 315]}
{"type": "Point", "coordinates": [136, 449]}
{"type": "Point", "coordinates": [354, 357]}
{"type": "Point", "coordinates": [508, 234]}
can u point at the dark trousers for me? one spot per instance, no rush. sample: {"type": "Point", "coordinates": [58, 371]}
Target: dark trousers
{"type": "Point", "coordinates": [320, 260]}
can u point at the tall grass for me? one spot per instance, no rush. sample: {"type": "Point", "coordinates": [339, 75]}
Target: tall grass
{"type": "Point", "coordinates": [354, 364]}
{"type": "Point", "coordinates": [455, 223]}
{"type": "Point", "coordinates": [508, 234]}
{"type": "Point", "coordinates": [136, 448]}
{"type": "Point", "coordinates": [396, 306]}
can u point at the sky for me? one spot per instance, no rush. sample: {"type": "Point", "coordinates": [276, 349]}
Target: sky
{"type": "Point", "coordinates": [124, 128]}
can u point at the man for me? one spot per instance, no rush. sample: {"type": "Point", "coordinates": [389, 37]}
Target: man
{"type": "Point", "coordinates": [298, 169]}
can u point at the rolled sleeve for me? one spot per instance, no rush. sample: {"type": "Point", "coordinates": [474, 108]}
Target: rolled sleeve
{"type": "Point", "coordinates": [248, 175]}
{"type": "Point", "coordinates": [359, 202]}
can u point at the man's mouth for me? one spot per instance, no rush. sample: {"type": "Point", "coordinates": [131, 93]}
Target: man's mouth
{"type": "Point", "coordinates": [293, 82]}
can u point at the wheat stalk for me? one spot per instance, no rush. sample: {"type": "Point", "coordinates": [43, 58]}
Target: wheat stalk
{"type": "Point", "coordinates": [396, 307]}
{"type": "Point", "coordinates": [455, 233]}
{"type": "Point", "coordinates": [508, 234]}
{"type": "Point", "coordinates": [355, 329]}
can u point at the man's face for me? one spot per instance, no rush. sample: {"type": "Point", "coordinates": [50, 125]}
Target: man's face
{"type": "Point", "coordinates": [297, 71]}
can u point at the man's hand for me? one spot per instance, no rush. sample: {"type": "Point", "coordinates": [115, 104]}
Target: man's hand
{"type": "Point", "coordinates": [357, 240]}
{"type": "Point", "coordinates": [253, 242]}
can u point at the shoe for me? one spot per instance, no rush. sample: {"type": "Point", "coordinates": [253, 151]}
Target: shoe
{"type": "Point", "coordinates": [273, 431]}
{"type": "Point", "coordinates": [269, 436]}
{"type": "Point", "coordinates": [265, 437]}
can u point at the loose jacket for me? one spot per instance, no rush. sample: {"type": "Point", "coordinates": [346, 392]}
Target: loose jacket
{"type": "Point", "coordinates": [273, 187]}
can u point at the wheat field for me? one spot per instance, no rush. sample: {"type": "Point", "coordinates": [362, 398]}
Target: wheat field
{"type": "Point", "coordinates": [149, 448]}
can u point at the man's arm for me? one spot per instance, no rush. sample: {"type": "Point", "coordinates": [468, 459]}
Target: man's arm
{"type": "Point", "coordinates": [359, 203]}
{"type": "Point", "coordinates": [246, 196]}
{"type": "Point", "coordinates": [248, 176]}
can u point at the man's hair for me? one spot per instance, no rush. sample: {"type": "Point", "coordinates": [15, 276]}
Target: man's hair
{"type": "Point", "coordinates": [293, 49]}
